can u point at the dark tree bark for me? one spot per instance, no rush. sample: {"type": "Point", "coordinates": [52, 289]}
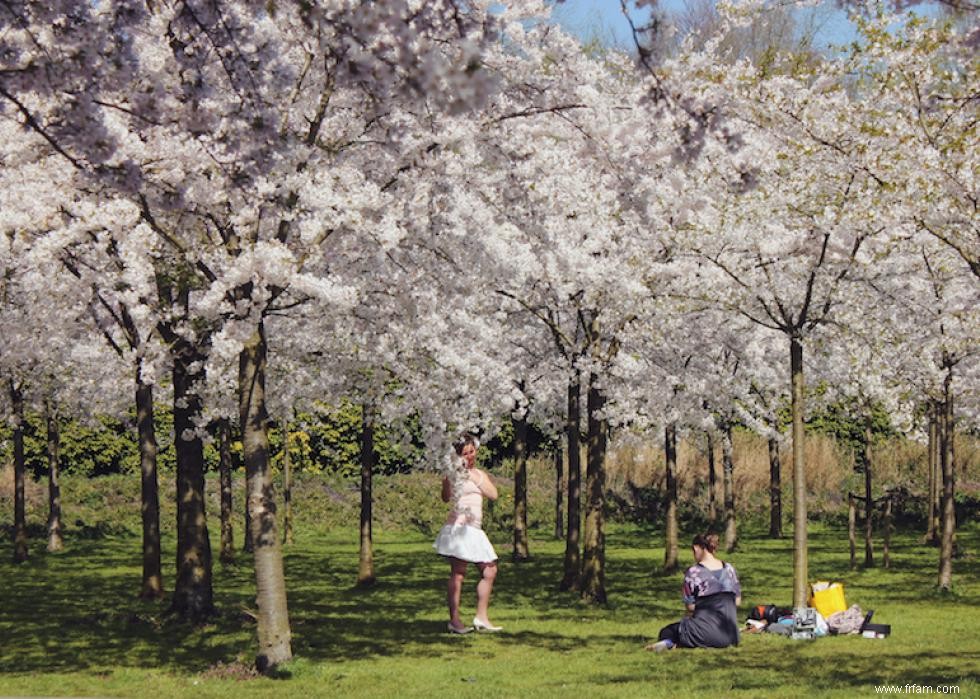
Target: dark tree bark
{"type": "Point", "coordinates": [937, 475]}
{"type": "Point", "coordinates": [152, 585]}
{"type": "Point", "coordinates": [775, 491]}
{"type": "Point", "coordinates": [670, 528]}
{"type": "Point", "coordinates": [287, 487]}
{"type": "Point", "coordinates": [932, 465]}
{"type": "Point", "coordinates": [20, 511]}
{"type": "Point", "coordinates": [193, 597]}
{"type": "Point", "coordinates": [800, 557]}
{"type": "Point", "coordinates": [852, 528]}
{"type": "Point", "coordinates": [118, 314]}
{"type": "Point", "coordinates": [520, 551]}
{"type": "Point", "coordinates": [573, 561]}
{"type": "Point", "coordinates": [728, 476]}
{"type": "Point", "coordinates": [273, 618]}
{"type": "Point", "coordinates": [227, 554]}
{"type": "Point", "coordinates": [248, 544]}
{"type": "Point", "coordinates": [559, 491]}
{"type": "Point", "coordinates": [55, 540]}
{"type": "Point", "coordinates": [869, 558]}
{"type": "Point", "coordinates": [712, 481]}
{"type": "Point", "coordinates": [365, 569]}
{"type": "Point", "coordinates": [947, 462]}
{"type": "Point", "coordinates": [593, 585]}
{"type": "Point", "coordinates": [887, 544]}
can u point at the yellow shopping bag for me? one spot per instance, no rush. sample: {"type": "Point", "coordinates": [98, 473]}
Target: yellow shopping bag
{"type": "Point", "coordinates": [827, 598]}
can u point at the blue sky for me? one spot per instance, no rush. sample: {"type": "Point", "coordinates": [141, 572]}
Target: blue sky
{"type": "Point", "coordinates": [603, 19]}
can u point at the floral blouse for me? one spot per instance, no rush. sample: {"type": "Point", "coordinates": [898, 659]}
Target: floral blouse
{"type": "Point", "coordinates": [701, 582]}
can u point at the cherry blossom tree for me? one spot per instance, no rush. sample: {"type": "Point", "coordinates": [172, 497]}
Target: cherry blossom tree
{"type": "Point", "coordinates": [249, 105]}
{"type": "Point", "coordinates": [785, 227]}
{"type": "Point", "coordinates": [918, 86]}
{"type": "Point", "coordinates": [921, 349]}
{"type": "Point", "coordinates": [51, 358]}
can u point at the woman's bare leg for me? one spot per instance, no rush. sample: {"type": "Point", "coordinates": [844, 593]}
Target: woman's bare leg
{"type": "Point", "coordinates": [454, 587]}
{"type": "Point", "coordinates": [484, 588]}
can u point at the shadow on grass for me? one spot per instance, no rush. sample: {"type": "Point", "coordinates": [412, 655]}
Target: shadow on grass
{"type": "Point", "coordinates": [77, 611]}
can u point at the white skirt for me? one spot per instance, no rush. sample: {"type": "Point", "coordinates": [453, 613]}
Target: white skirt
{"type": "Point", "coordinates": [465, 543]}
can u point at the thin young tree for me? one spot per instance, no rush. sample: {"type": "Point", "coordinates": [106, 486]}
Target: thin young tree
{"type": "Point", "coordinates": [728, 478]}
{"type": "Point", "coordinates": [867, 464]}
{"type": "Point", "coordinates": [712, 477]}
{"type": "Point", "coordinates": [520, 550]}
{"type": "Point", "coordinates": [932, 468]}
{"type": "Point", "coordinates": [671, 525]}
{"type": "Point", "coordinates": [593, 580]}
{"type": "Point", "coordinates": [559, 493]}
{"type": "Point", "coordinates": [287, 487]}
{"type": "Point", "coordinates": [20, 512]}
{"type": "Point", "coordinates": [227, 548]}
{"type": "Point", "coordinates": [572, 561]}
{"type": "Point", "coordinates": [365, 570]}
{"type": "Point", "coordinates": [55, 538]}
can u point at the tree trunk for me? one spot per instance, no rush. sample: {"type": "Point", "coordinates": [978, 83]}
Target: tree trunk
{"type": "Point", "coordinates": [152, 585]}
{"type": "Point", "coordinates": [55, 541]}
{"type": "Point", "coordinates": [728, 477]}
{"type": "Point", "coordinates": [775, 491]}
{"type": "Point", "coordinates": [559, 488]}
{"type": "Point", "coordinates": [869, 559]}
{"type": "Point", "coordinates": [193, 593]}
{"type": "Point", "coordinates": [886, 547]}
{"type": "Point", "coordinates": [248, 545]}
{"type": "Point", "coordinates": [593, 586]}
{"type": "Point", "coordinates": [712, 481]}
{"type": "Point", "coordinates": [270, 582]}
{"type": "Point", "coordinates": [800, 561]}
{"type": "Point", "coordinates": [852, 529]}
{"type": "Point", "coordinates": [573, 561]}
{"type": "Point", "coordinates": [227, 554]}
{"type": "Point", "coordinates": [947, 462]}
{"type": "Point", "coordinates": [520, 552]}
{"type": "Point", "coordinates": [20, 511]}
{"type": "Point", "coordinates": [670, 528]}
{"type": "Point", "coordinates": [932, 459]}
{"type": "Point", "coordinates": [365, 569]}
{"type": "Point", "coordinates": [937, 475]}
{"type": "Point", "coordinates": [287, 487]}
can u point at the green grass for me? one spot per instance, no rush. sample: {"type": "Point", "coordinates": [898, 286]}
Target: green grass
{"type": "Point", "coordinates": [70, 625]}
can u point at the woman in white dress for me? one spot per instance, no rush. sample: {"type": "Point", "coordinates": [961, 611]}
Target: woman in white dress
{"type": "Point", "coordinates": [462, 539]}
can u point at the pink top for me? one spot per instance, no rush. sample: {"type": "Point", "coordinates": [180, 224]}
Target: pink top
{"type": "Point", "coordinates": [468, 508]}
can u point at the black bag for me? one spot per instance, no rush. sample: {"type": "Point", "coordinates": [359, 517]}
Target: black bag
{"type": "Point", "coordinates": [768, 613]}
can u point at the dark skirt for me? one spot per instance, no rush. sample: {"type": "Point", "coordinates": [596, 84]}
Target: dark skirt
{"type": "Point", "coordinates": [713, 625]}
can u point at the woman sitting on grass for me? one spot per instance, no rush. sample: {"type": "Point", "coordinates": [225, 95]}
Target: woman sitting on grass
{"type": "Point", "coordinates": [711, 593]}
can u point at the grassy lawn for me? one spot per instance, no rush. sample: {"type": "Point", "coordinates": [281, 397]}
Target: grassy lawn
{"type": "Point", "coordinates": [70, 625]}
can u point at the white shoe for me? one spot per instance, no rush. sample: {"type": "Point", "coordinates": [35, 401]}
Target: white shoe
{"type": "Point", "coordinates": [480, 626]}
{"type": "Point", "coordinates": [458, 629]}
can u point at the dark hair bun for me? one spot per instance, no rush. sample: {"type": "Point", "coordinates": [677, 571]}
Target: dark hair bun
{"type": "Point", "coordinates": [707, 541]}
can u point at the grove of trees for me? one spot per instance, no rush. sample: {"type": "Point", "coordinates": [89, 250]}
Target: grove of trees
{"type": "Point", "coordinates": [456, 216]}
